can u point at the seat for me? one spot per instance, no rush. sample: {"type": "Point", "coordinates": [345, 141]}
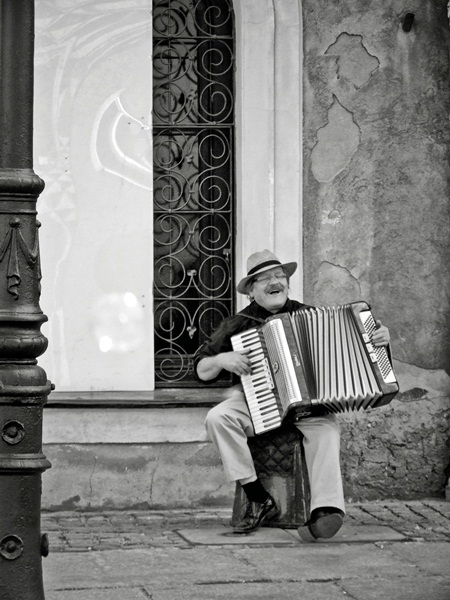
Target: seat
{"type": "Point", "coordinates": [279, 461]}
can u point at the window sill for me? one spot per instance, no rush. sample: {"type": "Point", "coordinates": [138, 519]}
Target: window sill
{"type": "Point", "coordinates": [161, 398]}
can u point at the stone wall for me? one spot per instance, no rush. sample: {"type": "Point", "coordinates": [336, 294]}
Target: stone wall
{"type": "Point", "coordinates": [376, 188]}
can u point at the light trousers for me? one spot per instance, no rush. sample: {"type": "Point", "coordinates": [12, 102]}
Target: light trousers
{"type": "Point", "coordinates": [229, 425]}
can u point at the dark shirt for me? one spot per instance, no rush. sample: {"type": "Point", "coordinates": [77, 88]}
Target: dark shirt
{"type": "Point", "coordinates": [252, 315]}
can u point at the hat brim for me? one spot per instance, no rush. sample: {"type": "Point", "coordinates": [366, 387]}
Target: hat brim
{"type": "Point", "coordinates": [289, 267]}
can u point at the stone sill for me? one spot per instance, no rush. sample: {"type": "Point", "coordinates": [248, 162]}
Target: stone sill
{"type": "Point", "coordinates": [160, 398]}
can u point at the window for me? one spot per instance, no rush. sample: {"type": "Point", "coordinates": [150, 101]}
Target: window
{"type": "Point", "coordinates": [193, 150]}
{"type": "Point", "coordinates": [93, 147]}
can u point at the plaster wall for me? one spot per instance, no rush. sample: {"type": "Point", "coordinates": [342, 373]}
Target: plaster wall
{"type": "Point", "coordinates": [376, 197]}
{"type": "Point", "coordinates": [141, 458]}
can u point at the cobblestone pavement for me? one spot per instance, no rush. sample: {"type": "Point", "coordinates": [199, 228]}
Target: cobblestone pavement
{"type": "Point", "coordinates": [424, 520]}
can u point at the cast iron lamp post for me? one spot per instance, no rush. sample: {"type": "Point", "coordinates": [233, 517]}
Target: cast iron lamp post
{"type": "Point", "coordinates": [23, 384]}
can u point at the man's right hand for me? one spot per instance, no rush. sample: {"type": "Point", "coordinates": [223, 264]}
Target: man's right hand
{"type": "Point", "coordinates": [236, 362]}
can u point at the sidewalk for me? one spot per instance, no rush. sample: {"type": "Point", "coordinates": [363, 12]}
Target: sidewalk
{"type": "Point", "coordinates": [385, 550]}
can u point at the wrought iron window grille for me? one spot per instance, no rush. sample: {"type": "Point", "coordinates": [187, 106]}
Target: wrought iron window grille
{"type": "Point", "coordinates": [193, 149]}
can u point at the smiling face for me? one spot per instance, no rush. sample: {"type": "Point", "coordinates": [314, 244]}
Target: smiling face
{"type": "Point", "coordinates": [270, 289]}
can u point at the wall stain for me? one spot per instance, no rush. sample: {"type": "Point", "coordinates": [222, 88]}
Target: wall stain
{"type": "Point", "coordinates": [354, 63]}
{"type": "Point", "coordinates": [71, 503]}
{"type": "Point", "coordinates": [412, 395]}
{"type": "Point", "coordinates": [337, 142]}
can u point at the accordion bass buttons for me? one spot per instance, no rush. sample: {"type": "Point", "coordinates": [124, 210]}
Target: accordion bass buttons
{"type": "Point", "coordinates": [371, 352]}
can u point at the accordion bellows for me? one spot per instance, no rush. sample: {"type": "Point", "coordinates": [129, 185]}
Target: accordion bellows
{"type": "Point", "coordinates": [315, 359]}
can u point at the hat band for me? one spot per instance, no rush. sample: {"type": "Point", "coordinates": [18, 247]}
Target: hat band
{"type": "Point", "coordinates": [262, 265]}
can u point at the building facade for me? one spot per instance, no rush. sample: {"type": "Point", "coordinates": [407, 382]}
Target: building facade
{"type": "Point", "coordinates": [338, 158]}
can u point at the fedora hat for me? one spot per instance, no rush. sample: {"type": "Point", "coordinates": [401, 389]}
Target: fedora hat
{"type": "Point", "coordinates": [263, 261]}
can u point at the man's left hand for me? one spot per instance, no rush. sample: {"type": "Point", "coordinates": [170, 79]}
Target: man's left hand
{"type": "Point", "coordinates": [381, 335]}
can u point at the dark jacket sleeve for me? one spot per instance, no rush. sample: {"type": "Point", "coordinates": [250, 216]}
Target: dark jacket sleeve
{"type": "Point", "coordinates": [220, 341]}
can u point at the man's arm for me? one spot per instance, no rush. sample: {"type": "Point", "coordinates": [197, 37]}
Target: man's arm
{"type": "Point", "coordinates": [209, 367]}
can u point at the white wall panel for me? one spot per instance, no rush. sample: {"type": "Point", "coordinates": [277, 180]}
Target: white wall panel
{"type": "Point", "coordinates": [93, 149]}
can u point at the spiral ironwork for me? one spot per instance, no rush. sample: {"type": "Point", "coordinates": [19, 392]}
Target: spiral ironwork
{"type": "Point", "coordinates": [193, 152]}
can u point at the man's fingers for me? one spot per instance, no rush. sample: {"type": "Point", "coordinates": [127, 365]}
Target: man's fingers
{"type": "Point", "coordinates": [245, 366]}
{"type": "Point", "coordinates": [245, 370]}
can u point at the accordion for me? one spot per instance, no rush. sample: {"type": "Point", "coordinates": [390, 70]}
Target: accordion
{"type": "Point", "coordinates": [314, 360]}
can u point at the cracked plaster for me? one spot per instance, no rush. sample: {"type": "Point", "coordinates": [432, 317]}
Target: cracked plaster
{"type": "Point", "coordinates": [336, 285]}
{"type": "Point", "coordinates": [388, 241]}
{"type": "Point", "coordinates": [337, 142]}
{"type": "Point", "coordinates": [354, 63]}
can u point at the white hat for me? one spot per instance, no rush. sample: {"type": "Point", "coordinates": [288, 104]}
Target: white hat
{"type": "Point", "coordinates": [260, 262]}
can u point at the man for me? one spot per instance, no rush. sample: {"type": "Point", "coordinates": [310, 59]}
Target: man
{"type": "Point", "coordinates": [229, 424]}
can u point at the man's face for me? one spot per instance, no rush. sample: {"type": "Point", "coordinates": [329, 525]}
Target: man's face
{"type": "Point", "coordinates": [270, 289]}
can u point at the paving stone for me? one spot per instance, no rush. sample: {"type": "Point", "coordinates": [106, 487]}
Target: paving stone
{"type": "Point", "coordinates": [266, 535]}
{"type": "Point", "coordinates": [429, 558]}
{"type": "Point", "coordinates": [406, 589]}
{"type": "Point", "coordinates": [251, 591]}
{"type": "Point", "coordinates": [149, 519]}
{"type": "Point", "coordinates": [92, 520]}
{"type": "Point", "coordinates": [224, 536]}
{"type": "Point", "coordinates": [358, 534]}
{"type": "Point", "coordinates": [97, 594]}
{"type": "Point", "coordinates": [359, 515]}
{"type": "Point", "coordinates": [442, 508]}
{"type": "Point", "coordinates": [325, 562]}
{"type": "Point", "coordinates": [170, 567]}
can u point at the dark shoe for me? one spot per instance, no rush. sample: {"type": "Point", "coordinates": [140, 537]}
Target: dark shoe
{"type": "Point", "coordinates": [255, 515]}
{"type": "Point", "coordinates": [324, 524]}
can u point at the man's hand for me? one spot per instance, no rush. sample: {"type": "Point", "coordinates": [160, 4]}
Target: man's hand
{"type": "Point", "coordinates": [381, 335]}
{"type": "Point", "coordinates": [236, 362]}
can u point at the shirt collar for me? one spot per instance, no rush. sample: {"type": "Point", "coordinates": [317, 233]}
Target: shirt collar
{"type": "Point", "coordinates": [256, 310]}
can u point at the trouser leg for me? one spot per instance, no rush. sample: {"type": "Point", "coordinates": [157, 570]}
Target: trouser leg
{"type": "Point", "coordinates": [321, 441]}
{"type": "Point", "coordinates": [229, 425]}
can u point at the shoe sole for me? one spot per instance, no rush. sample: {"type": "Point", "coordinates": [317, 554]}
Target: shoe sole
{"type": "Point", "coordinates": [273, 512]}
{"type": "Point", "coordinates": [324, 528]}
{"type": "Point", "coordinates": [305, 534]}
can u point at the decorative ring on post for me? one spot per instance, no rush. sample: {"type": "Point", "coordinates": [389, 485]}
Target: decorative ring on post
{"type": "Point", "coordinates": [13, 432]}
{"type": "Point", "coordinates": [11, 547]}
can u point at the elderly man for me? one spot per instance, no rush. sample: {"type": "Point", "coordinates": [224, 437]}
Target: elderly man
{"type": "Point", "coordinates": [229, 424]}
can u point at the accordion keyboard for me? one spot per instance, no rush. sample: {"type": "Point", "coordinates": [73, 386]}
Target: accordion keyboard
{"type": "Point", "coordinates": [258, 386]}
